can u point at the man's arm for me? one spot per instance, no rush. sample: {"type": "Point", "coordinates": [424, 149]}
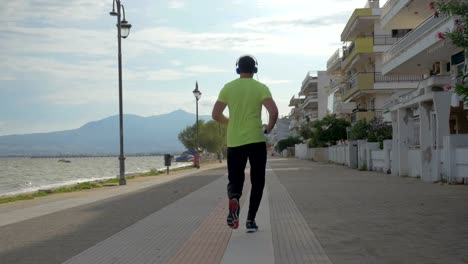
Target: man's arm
{"type": "Point", "coordinates": [272, 109]}
{"type": "Point", "coordinates": [217, 113]}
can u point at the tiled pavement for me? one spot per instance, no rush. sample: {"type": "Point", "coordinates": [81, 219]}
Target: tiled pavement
{"type": "Point", "coordinates": [308, 215]}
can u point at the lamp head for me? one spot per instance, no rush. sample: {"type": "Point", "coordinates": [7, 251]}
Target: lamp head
{"type": "Point", "coordinates": [125, 28]}
{"type": "Point", "coordinates": [197, 92]}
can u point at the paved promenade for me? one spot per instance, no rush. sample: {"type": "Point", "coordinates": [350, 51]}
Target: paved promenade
{"type": "Point", "coordinates": [310, 213]}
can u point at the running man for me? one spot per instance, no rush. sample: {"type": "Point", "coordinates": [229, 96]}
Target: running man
{"type": "Point", "coordinates": [244, 98]}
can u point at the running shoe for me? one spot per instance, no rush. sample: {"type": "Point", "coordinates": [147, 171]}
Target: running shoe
{"type": "Point", "coordinates": [251, 226]}
{"type": "Point", "coordinates": [233, 216]}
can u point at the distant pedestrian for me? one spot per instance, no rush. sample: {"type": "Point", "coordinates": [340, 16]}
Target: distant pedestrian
{"type": "Point", "coordinates": [244, 98]}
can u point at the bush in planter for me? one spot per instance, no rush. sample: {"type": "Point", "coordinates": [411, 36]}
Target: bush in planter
{"type": "Point", "coordinates": [379, 131]}
{"type": "Point", "coordinates": [375, 131]}
{"type": "Point", "coordinates": [327, 131]}
{"type": "Point", "coordinates": [289, 142]}
{"type": "Point", "coordinates": [359, 130]}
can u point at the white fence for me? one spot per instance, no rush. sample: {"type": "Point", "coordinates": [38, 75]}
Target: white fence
{"type": "Point", "coordinates": [455, 166]}
{"type": "Point", "coordinates": [302, 151]}
{"type": "Point", "coordinates": [452, 158]}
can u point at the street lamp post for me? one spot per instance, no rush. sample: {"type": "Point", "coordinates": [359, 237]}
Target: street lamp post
{"type": "Point", "coordinates": [123, 30]}
{"type": "Point", "coordinates": [197, 95]}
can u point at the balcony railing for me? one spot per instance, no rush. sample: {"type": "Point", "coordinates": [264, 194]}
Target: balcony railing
{"type": "Point", "coordinates": [311, 98]}
{"type": "Point", "coordinates": [385, 40]}
{"type": "Point", "coordinates": [412, 37]}
{"type": "Point", "coordinates": [378, 77]}
{"type": "Point", "coordinates": [311, 75]}
{"type": "Point", "coordinates": [360, 45]}
{"type": "Point", "coordinates": [368, 115]}
{"type": "Point", "coordinates": [337, 56]}
{"type": "Point", "coordinates": [366, 80]}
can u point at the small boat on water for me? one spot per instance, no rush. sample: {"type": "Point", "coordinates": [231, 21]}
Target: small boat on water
{"type": "Point", "coordinates": [64, 161]}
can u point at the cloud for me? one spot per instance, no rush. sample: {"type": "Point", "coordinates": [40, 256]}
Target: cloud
{"type": "Point", "coordinates": [285, 23]}
{"type": "Point", "coordinates": [176, 62]}
{"type": "Point", "coordinates": [166, 75]}
{"type": "Point", "coordinates": [204, 69]}
{"type": "Point", "coordinates": [53, 11]}
{"type": "Point", "coordinates": [269, 81]}
{"type": "Point", "coordinates": [176, 4]}
{"type": "Point", "coordinates": [304, 43]}
{"type": "Point", "coordinates": [70, 41]}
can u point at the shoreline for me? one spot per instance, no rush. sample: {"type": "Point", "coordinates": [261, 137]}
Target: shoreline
{"type": "Point", "coordinates": [86, 185]}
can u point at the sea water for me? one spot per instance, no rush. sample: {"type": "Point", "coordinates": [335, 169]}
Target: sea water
{"type": "Point", "coordinates": [21, 175]}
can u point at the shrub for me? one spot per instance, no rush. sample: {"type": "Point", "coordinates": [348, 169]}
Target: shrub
{"type": "Point", "coordinates": [326, 131]}
{"type": "Point", "coordinates": [289, 142]}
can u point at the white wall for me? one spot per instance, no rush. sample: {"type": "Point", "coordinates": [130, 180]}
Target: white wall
{"type": "Point", "coordinates": [461, 162]}
{"type": "Point", "coordinates": [414, 163]}
{"type": "Point", "coordinates": [378, 163]}
{"type": "Point", "coordinates": [301, 151]}
{"type": "Point", "coordinates": [455, 156]}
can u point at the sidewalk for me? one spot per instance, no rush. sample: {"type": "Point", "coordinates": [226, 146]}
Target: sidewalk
{"type": "Point", "coordinates": [310, 213]}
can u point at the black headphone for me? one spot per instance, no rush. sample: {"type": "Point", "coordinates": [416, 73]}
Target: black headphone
{"type": "Point", "coordinates": [255, 69]}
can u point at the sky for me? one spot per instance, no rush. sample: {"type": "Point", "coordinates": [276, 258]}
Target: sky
{"type": "Point", "coordinates": [58, 59]}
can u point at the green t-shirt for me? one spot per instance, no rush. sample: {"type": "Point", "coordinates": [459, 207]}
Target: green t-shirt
{"type": "Point", "coordinates": [244, 97]}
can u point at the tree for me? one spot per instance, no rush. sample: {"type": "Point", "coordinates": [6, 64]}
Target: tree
{"type": "Point", "coordinates": [326, 131]}
{"type": "Point", "coordinates": [188, 136]}
{"type": "Point", "coordinates": [458, 36]}
{"type": "Point", "coordinates": [212, 136]}
{"type": "Point", "coordinates": [288, 142]}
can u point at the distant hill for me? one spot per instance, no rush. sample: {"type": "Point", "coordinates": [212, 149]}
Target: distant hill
{"type": "Point", "coordinates": [154, 134]}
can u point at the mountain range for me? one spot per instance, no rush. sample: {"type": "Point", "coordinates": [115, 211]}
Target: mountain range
{"type": "Point", "coordinates": [142, 135]}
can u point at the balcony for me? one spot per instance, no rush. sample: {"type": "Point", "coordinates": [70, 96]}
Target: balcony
{"type": "Point", "coordinates": [385, 40]}
{"type": "Point", "coordinates": [334, 63]}
{"type": "Point", "coordinates": [360, 45]}
{"type": "Point", "coordinates": [420, 47]}
{"type": "Point", "coordinates": [311, 101]}
{"type": "Point", "coordinates": [310, 76]}
{"type": "Point", "coordinates": [359, 81]}
{"type": "Point", "coordinates": [359, 115]}
{"type": "Point", "coordinates": [404, 13]}
{"type": "Point", "coordinates": [375, 80]}
{"type": "Point", "coordinates": [362, 20]}
{"type": "Point", "coordinates": [296, 101]}
{"type": "Point", "coordinates": [310, 116]}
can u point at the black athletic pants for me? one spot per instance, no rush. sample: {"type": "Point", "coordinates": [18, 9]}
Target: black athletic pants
{"type": "Point", "coordinates": [237, 160]}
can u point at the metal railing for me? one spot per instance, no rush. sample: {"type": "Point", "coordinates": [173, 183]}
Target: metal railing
{"type": "Point", "coordinates": [365, 114]}
{"type": "Point", "coordinates": [312, 97]}
{"type": "Point", "coordinates": [416, 34]}
{"type": "Point", "coordinates": [335, 57]}
{"type": "Point", "coordinates": [348, 50]}
{"type": "Point", "coordinates": [311, 75]}
{"type": "Point", "coordinates": [378, 77]}
{"type": "Point", "coordinates": [385, 40]}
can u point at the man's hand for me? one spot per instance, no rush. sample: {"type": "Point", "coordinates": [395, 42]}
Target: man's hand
{"type": "Point", "coordinates": [217, 113]}
{"type": "Point", "coordinates": [272, 109]}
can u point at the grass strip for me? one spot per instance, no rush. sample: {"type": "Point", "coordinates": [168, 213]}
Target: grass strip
{"type": "Point", "coordinates": [85, 186]}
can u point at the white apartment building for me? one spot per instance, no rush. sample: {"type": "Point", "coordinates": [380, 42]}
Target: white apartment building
{"type": "Point", "coordinates": [311, 103]}
{"type": "Point", "coordinates": [280, 131]}
{"type": "Point", "coordinates": [357, 69]}
{"type": "Point", "coordinates": [430, 125]}
{"type": "Point", "coordinates": [335, 89]}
